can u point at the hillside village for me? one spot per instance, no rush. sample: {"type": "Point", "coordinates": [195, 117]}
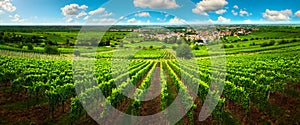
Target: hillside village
{"type": "Point", "coordinates": [190, 35]}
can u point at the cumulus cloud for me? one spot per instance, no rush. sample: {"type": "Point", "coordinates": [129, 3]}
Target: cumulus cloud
{"type": "Point", "coordinates": [176, 20]}
{"type": "Point", "coordinates": [223, 19]}
{"type": "Point", "coordinates": [234, 13]}
{"type": "Point", "coordinates": [81, 14]}
{"type": "Point", "coordinates": [297, 14]}
{"type": "Point", "coordinates": [243, 12]}
{"type": "Point", "coordinates": [205, 6]}
{"type": "Point", "coordinates": [16, 18]}
{"type": "Point", "coordinates": [247, 21]}
{"type": "Point", "coordinates": [221, 11]}
{"type": "Point", "coordinates": [7, 6]}
{"type": "Point", "coordinates": [69, 19]}
{"type": "Point", "coordinates": [72, 9]}
{"type": "Point", "coordinates": [156, 4]}
{"type": "Point", "coordinates": [86, 18]}
{"type": "Point", "coordinates": [104, 20]}
{"type": "Point", "coordinates": [107, 14]}
{"type": "Point", "coordinates": [133, 20]}
{"type": "Point", "coordinates": [210, 21]}
{"type": "Point", "coordinates": [143, 14]}
{"type": "Point", "coordinates": [273, 15]}
{"type": "Point", "coordinates": [236, 7]}
{"type": "Point", "coordinates": [99, 10]}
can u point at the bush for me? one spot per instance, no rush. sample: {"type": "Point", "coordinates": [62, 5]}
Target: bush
{"type": "Point", "coordinates": [51, 50]}
{"type": "Point", "coordinates": [30, 47]}
{"type": "Point", "coordinates": [77, 53]}
{"type": "Point", "coordinates": [121, 45]}
{"type": "Point", "coordinates": [252, 44]}
{"type": "Point", "coordinates": [151, 47]}
{"type": "Point", "coordinates": [196, 47]}
{"type": "Point", "coordinates": [271, 43]}
{"type": "Point", "coordinates": [184, 51]}
{"type": "Point", "coordinates": [163, 46]}
{"type": "Point", "coordinates": [174, 48]}
{"type": "Point", "coordinates": [112, 45]}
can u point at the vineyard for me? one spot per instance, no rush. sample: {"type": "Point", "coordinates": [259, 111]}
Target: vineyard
{"type": "Point", "coordinates": [256, 89]}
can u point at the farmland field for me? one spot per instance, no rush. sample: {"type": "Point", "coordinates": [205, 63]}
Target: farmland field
{"type": "Point", "coordinates": [258, 80]}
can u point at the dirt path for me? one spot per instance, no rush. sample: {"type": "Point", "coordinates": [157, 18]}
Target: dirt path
{"type": "Point", "coordinates": [289, 106]}
{"type": "Point", "coordinates": [122, 107]}
{"type": "Point", "coordinates": [17, 110]}
{"type": "Point", "coordinates": [179, 107]}
{"type": "Point", "coordinates": [152, 107]}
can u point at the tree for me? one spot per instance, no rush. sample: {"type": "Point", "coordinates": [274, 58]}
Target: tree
{"type": "Point", "coordinates": [196, 47]}
{"type": "Point", "coordinates": [51, 50]}
{"type": "Point", "coordinates": [67, 41]}
{"type": "Point", "coordinates": [77, 53]}
{"type": "Point", "coordinates": [30, 46]}
{"type": "Point", "coordinates": [184, 51]}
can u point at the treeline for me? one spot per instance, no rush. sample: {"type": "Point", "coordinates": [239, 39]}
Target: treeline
{"type": "Point", "coordinates": [40, 28]}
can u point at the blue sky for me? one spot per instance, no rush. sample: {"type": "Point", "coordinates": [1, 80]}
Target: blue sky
{"type": "Point", "coordinates": [75, 12]}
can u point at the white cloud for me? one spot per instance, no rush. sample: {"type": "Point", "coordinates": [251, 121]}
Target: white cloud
{"type": "Point", "coordinates": [16, 18]}
{"type": "Point", "coordinates": [156, 4]}
{"type": "Point", "coordinates": [210, 21]}
{"type": "Point", "coordinates": [243, 12]}
{"type": "Point", "coordinates": [1, 12]}
{"type": "Point", "coordinates": [86, 18]}
{"type": "Point", "coordinates": [176, 20]}
{"type": "Point", "coordinates": [7, 6]}
{"type": "Point", "coordinates": [273, 15]}
{"type": "Point", "coordinates": [133, 20]}
{"type": "Point", "coordinates": [236, 7]}
{"type": "Point", "coordinates": [223, 19]}
{"type": "Point", "coordinates": [69, 19]}
{"type": "Point", "coordinates": [205, 6]}
{"type": "Point", "coordinates": [247, 21]}
{"type": "Point", "coordinates": [221, 11]}
{"type": "Point", "coordinates": [72, 9]}
{"type": "Point", "coordinates": [107, 14]}
{"type": "Point", "coordinates": [143, 14]}
{"type": "Point", "coordinates": [148, 21]}
{"type": "Point", "coordinates": [234, 13]}
{"type": "Point", "coordinates": [104, 20]}
{"type": "Point", "coordinates": [99, 10]}
{"type": "Point", "coordinates": [81, 14]}
{"type": "Point", "coordinates": [83, 7]}
{"type": "Point", "coordinates": [297, 14]}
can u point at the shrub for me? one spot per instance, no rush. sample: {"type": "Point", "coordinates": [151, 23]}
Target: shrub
{"type": "Point", "coordinates": [283, 41]}
{"type": "Point", "coordinates": [196, 47]}
{"type": "Point", "coordinates": [163, 46]}
{"type": "Point", "coordinates": [30, 47]}
{"type": "Point", "coordinates": [271, 43]}
{"type": "Point", "coordinates": [252, 44]}
{"type": "Point", "coordinates": [174, 48]}
{"type": "Point", "coordinates": [51, 50]}
{"type": "Point", "coordinates": [77, 53]}
{"type": "Point", "coordinates": [184, 51]}
{"type": "Point", "coordinates": [112, 45]}
{"type": "Point", "coordinates": [151, 47]}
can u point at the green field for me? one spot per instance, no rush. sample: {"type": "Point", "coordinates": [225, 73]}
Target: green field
{"type": "Point", "coordinates": [257, 80]}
